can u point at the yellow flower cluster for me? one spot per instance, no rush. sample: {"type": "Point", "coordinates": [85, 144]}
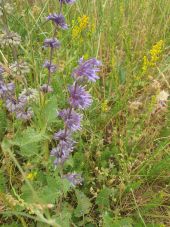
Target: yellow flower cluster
{"type": "Point", "coordinates": [154, 56]}
{"type": "Point", "coordinates": [81, 25]}
{"type": "Point", "coordinates": [31, 176]}
{"type": "Point", "coordinates": [104, 106]}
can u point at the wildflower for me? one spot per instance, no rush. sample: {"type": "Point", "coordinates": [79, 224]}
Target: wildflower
{"type": "Point", "coordinates": [145, 64]}
{"type": "Point", "coordinates": [3, 89]}
{"type": "Point", "coordinates": [31, 176]}
{"type": "Point", "coordinates": [79, 98]}
{"type": "Point", "coordinates": [29, 94]}
{"type": "Point", "coordinates": [162, 98]}
{"type": "Point", "coordinates": [53, 43]}
{"type": "Point", "coordinates": [62, 151]}
{"type": "Point", "coordinates": [45, 88]}
{"type": "Point", "coordinates": [59, 20]}
{"type": "Point", "coordinates": [19, 68]}
{"type": "Point", "coordinates": [10, 38]}
{"type": "Point", "coordinates": [71, 118]}
{"type": "Point", "coordinates": [80, 27]}
{"type": "Point", "coordinates": [83, 22]}
{"type": "Point", "coordinates": [87, 70]}
{"type": "Point", "coordinates": [155, 52]}
{"type": "Point", "coordinates": [11, 104]}
{"type": "Point", "coordinates": [62, 135]}
{"type": "Point", "coordinates": [154, 56]}
{"type": "Point", "coordinates": [74, 178]}
{"type": "Point", "coordinates": [25, 115]}
{"type": "Point", "coordinates": [104, 106]}
{"type": "Point", "coordinates": [51, 67]}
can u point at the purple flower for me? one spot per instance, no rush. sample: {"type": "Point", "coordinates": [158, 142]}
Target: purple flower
{"type": "Point", "coordinates": [3, 89]}
{"type": "Point", "coordinates": [11, 87]}
{"type": "Point", "coordinates": [45, 88]}
{"type": "Point", "coordinates": [11, 105]}
{"type": "Point", "coordinates": [74, 178]}
{"type": "Point", "coordinates": [53, 43]}
{"type": "Point", "coordinates": [87, 70]}
{"type": "Point", "coordinates": [59, 20]}
{"type": "Point", "coordinates": [79, 98]}
{"type": "Point", "coordinates": [72, 119]}
{"type": "Point", "coordinates": [62, 135]}
{"type": "Point", "coordinates": [51, 67]}
{"type": "Point", "coordinates": [62, 151]}
{"type": "Point", "coordinates": [25, 115]}
{"type": "Point", "coordinates": [67, 1]}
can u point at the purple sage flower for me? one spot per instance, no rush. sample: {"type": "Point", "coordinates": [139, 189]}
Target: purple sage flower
{"type": "Point", "coordinates": [59, 20]}
{"type": "Point", "coordinates": [72, 119]}
{"type": "Point", "coordinates": [52, 42]}
{"type": "Point", "coordinates": [25, 115]}
{"type": "Point", "coordinates": [87, 70]}
{"type": "Point", "coordinates": [62, 135]}
{"type": "Point", "coordinates": [3, 89]}
{"type": "Point", "coordinates": [51, 67]}
{"type": "Point", "coordinates": [79, 98]}
{"type": "Point", "coordinates": [62, 151]}
{"type": "Point", "coordinates": [45, 88]}
{"type": "Point", "coordinates": [11, 105]}
{"type": "Point", "coordinates": [11, 87]}
{"type": "Point", "coordinates": [74, 178]}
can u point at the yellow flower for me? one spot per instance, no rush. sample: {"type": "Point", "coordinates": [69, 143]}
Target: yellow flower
{"type": "Point", "coordinates": [145, 64]}
{"type": "Point", "coordinates": [104, 106]}
{"type": "Point", "coordinates": [155, 52]}
{"type": "Point", "coordinates": [31, 176]}
{"type": "Point", "coordinates": [82, 24]}
{"type": "Point", "coordinates": [154, 55]}
{"type": "Point", "coordinates": [75, 32]}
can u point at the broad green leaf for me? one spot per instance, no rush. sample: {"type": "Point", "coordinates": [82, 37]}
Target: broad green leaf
{"type": "Point", "coordinates": [103, 198]}
{"type": "Point", "coordinates": [83, 206]}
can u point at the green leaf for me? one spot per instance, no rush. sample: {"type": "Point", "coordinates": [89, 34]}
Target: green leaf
{"type": "Point", "coordinates": [103, 198]}
{"type": "Point", "coordinates": [83, 206]}
{"type": "Point", "coordinates": [107, 220]}
{"type": "Point", "coordinates": [29, 141]}
{"type": "Point", "coordinates": [50, 110]}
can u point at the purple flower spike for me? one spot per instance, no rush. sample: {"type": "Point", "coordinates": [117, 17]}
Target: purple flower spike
{"type": "Point", "coordinates": [25, 115]}
{"type": "Point", "coordinates": [67, 1]}
{"type": "Point", "coordinates": [51, 67]}
{"type": "Point", "coordinates": [11, 105]}
{"type": "Point", "coordinates": [59, 20]}
{"type": "Point", "coordinates": [45, 88]}
{"type": "Point", "coordinates": [53, 43]}
{"type": "Point", "coordinates": [72, 119]}
{"type": "Point", "coordinates": [62, 151]}
{"type": "Point", "coordinates": [11, 87]}
{"type": "Point", "coordinates": [62, 135]}
{"type": "Point", "coordinates": [74, 178]}
{"type": "Point", "coordinates": [79, 98]}
{"type": "Point", "coordinates": [87, 70]}
{"type": "Point", "coordinates": [3, 89]}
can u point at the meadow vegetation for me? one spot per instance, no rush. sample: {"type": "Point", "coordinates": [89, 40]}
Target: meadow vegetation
{"type": "Point", "coordinates": [123, 148]}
